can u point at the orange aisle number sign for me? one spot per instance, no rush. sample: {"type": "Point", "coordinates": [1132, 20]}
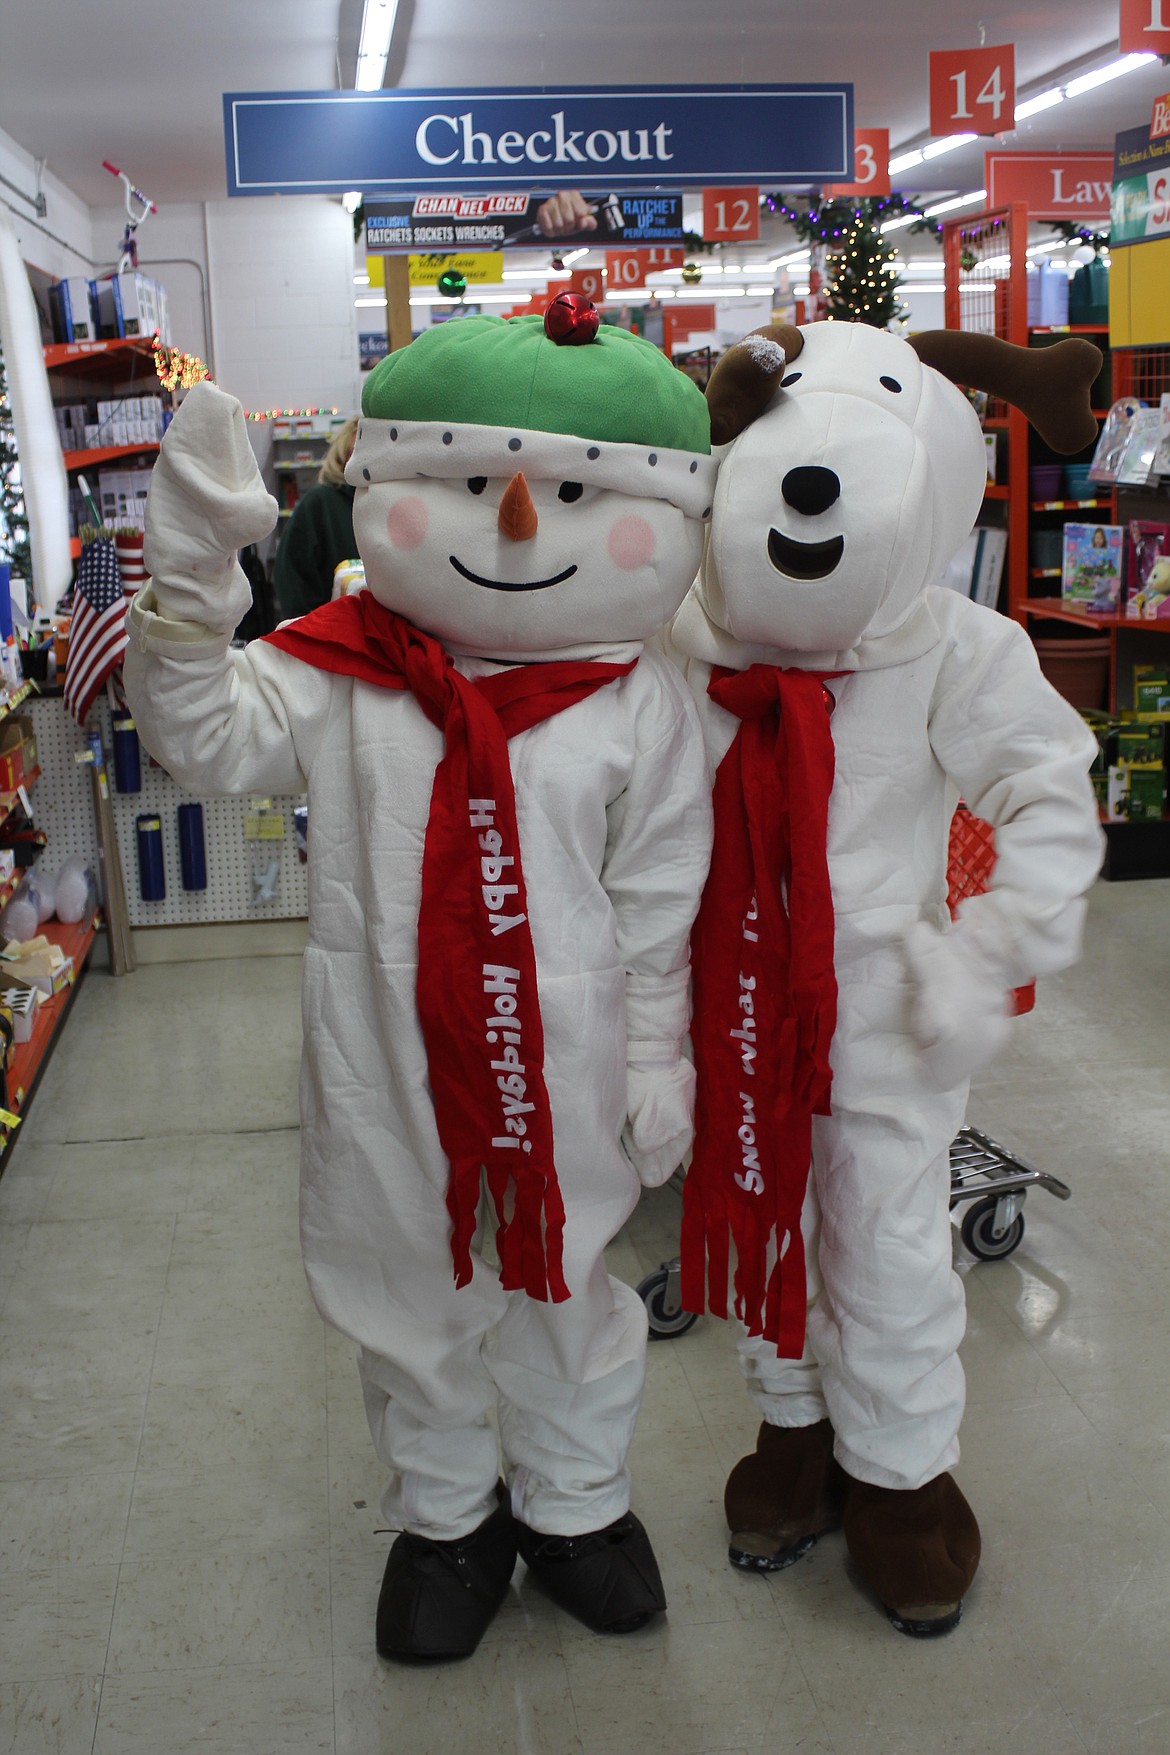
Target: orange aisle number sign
{"type": "Point", "coordinates": [1144, 27]}
{"type": "Point", "coordinates": [659, 258]}
{"type": "Point", "coordinates": [973, 91]}
{"type": "Point", "coordinates": [871, 164]}
{"type": "Point", "coordinates": [624, 270]}
{"type": "Point", "coordinates": [731, 216]}
{"type": "Point", "coordinates": [589, 282]}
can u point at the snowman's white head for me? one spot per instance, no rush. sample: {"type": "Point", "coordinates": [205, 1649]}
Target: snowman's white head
{"type": "Point", "coordinates": [539, 512]}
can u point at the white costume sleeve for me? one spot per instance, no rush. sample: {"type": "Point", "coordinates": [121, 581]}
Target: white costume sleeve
{"type": "Point", "coordinates": [1020, 756]}
{"type": "Point", "coordinates": [219, 722]}
{"type": "Point", "coordinates": [659, 848]}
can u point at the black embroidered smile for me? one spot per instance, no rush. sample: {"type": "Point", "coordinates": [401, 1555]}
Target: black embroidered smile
{"type": "Point", "coordinates": [509, 584]}
{"type": "Point", "coordinates": [804, 560]}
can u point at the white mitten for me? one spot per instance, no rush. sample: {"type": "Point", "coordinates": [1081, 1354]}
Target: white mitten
{"type": "Point", "coordinates": [661, 1115]}
{"type": "Point", "coordinates": [206, 501]}
{"type": "Point", "coordinates": [960, 1010]}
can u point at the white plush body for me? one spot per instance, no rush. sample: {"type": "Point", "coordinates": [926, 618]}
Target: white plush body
{"type": "Point", "coordinates": [613, 816]}
{"type": "Point", "coordinates": [942, 698]}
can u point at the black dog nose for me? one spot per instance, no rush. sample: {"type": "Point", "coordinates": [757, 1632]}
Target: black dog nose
{"type": "Point", "coordinates": [810, 490]}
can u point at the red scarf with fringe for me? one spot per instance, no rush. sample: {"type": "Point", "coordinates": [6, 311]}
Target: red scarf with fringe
{"type": "Point", "coordinates": [765, 1002]}
{"type": "Point", "coordinates": [477, 994]}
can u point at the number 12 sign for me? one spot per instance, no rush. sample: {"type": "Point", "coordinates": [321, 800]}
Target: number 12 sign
{"type": "Point", "coordinates": [973, 91]}
{"type": "Point", "coordinates": [731, 216]}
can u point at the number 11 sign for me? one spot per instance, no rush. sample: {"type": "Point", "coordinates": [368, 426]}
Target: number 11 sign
{"type": "Point", "coordinates": [973, 91]}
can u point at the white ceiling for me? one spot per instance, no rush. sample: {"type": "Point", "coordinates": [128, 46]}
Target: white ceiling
{"type": "Point", "coordinates": [140, 81]}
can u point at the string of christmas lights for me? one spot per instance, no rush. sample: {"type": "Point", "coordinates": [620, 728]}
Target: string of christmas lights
{"type": "Point", "coordinates": [177, 370]}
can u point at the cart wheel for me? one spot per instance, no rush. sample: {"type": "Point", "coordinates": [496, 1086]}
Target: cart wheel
{"type": "Point", "coordinates": [665, 1324]}
{"type": "Point", "coordinates": [978, 1231]}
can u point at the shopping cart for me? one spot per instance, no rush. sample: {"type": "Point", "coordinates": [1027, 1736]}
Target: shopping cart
{"type": "Point", "coordinates": [993, 1180]}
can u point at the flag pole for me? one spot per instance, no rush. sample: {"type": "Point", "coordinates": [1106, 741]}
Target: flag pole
{"type": "Point", "coordinates": [121, 944]}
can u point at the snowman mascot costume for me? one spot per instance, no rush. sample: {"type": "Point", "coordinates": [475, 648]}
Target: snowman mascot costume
{"type": "Point", "coordinates": [848, 700]}
{"type": "Point", "coordinates": [510, 812]}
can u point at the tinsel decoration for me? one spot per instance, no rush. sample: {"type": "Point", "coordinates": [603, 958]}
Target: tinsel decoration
{"type": "Point", "coordinates": [14, 538]}
{"type": "Point", "coordinates": [1080, 234]}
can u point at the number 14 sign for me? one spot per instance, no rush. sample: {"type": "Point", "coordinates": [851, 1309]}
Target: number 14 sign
{"type": "Point", "coordinates": [973, 91]}
{"type": "Point", "coordinates": [1144, 25]}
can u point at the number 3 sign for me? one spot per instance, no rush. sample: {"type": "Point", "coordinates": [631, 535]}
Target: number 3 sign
{"type": "Point", "coordinates": [871, 164]}
{"type": "Point", "coordinates": [1144, 26]}
{"type": "Point", "coordinates": [973, 91]}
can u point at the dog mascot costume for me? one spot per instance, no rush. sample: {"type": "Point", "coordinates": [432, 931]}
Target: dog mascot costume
{"type": "Point", "coordinates": [848, 700]}
{"type": "Point", "coordinates": [510, 810]}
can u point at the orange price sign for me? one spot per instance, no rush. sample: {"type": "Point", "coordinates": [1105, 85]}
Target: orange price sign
{"type": "Point", "coordinates": [871, 164]}
{"type": "Point", "coordinates": [589, 282]}
{"type": "Point", "coordinates": [731, 216]}
{"type": "Point", "coordinates": [973, 91]}
{"type": "Point", "coordinates": [624, 269]}
{"type": "Point", "coordinates": [1144, 27]}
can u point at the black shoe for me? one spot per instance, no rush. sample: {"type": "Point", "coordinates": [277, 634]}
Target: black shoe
{"type": "Point", "coordinates": [438, 1598]}
{"type": "Point", "coordinates": [609, 1578]}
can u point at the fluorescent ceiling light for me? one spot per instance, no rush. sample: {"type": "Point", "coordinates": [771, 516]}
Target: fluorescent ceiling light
{"type": "Point", "coordinates": [905, 162]}
{"type": "Point", "coordinates": [927, 286]}
{"type": "Point", "coordinates": [801, 292]}
{"type": "Point", "coordinates": [361, 280]}
{"type": "Point", "coordinates": [709, 292]}
{"type": "Point", "coordinates": [936, 148]}
{"type": "Point", "coordinates": [380, 301]}
{"type": "Point", "coordinates": [575, 255]}
{"type": "Point", "coordinates": [760, 292]}
{"type": "Point", "coordinates": [955, 201]}
{"type": "Point", "coordinates": [895, 225]}
{"type": "Point", "coordinates": [790, 260]}
{"type": "Point", "coordinates": [471, 297]}
{"type": "Point", "coordinates": [351, 200]}
{"type": "Point", "coordinates": [1101, 75]}
{"type": "Point", "coordinates": [374, 44]}
{"type": "Point", "coordinates": [1045, 101]}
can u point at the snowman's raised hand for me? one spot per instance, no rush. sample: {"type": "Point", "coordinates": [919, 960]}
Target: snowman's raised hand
{"type": "Point", "coordinates": [660, 1098]}
{"type": "Point", "coordinates": [207, 500]}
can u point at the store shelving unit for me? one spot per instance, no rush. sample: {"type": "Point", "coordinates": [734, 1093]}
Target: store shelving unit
{"type": "Point", "coordinates": [80, 369]}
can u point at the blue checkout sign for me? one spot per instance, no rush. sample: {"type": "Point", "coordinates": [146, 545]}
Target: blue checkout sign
{"type": "Point", "coordinates": [583, 137]}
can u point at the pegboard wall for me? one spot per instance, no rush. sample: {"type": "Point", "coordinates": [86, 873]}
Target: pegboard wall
{"type": "Point", "coordinates": [63, 806]}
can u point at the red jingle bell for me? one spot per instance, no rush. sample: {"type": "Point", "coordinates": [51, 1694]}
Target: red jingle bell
{"type": "Point", "coordinates": [571, 319]}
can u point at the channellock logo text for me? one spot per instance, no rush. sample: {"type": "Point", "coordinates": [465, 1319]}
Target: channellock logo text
{"type": "Point", "coordinates": [441, 140]}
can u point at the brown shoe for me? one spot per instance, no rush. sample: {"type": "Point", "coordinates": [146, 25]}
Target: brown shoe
{"type": "Point", "coordinates": [917, 1550]}
{"type": "Point", "coordinates": [781, 1498]}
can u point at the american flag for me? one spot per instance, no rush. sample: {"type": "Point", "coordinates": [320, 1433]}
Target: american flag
{"type": "Point", "coordinates": [97, 632]}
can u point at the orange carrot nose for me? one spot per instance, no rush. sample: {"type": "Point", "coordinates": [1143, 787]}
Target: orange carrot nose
{"type": "Point", "coordinates": [517, 513]}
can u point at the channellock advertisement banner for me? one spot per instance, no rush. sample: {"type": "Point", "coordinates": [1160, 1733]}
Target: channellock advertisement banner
{"type": "Point", "coordinates": [498, 222]}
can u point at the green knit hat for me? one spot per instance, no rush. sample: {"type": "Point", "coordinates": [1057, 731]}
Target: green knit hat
{"type": "Point", "coordinates": [492, 395]}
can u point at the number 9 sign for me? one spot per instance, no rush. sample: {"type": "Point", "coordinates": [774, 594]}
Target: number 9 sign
{"type": "Point", "coordinates": [973, 91]}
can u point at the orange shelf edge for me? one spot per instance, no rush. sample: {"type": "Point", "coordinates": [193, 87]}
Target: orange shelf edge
{"type": "Point", "coordinates": [68, 353]}
{"type": "Point", "coordinates": [76, 941]}
{"type": "Point", "coordinates": [106, 454]}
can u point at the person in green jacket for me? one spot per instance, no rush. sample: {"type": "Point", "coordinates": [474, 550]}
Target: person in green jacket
{"type": "Point", "coordinates": [318, 535]}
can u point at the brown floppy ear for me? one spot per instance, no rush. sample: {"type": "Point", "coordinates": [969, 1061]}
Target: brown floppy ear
{"type": "Point", "coordinates": [1048, 384]}
{"type": "Point", "coordinates": [745, 380]}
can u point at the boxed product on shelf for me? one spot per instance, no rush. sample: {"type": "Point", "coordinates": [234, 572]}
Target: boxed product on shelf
{"type": "Point", "coordinates": [11, 756]}
{"type": "Point", "coordinates": [1113, 439]}
{"type": "Point", "coordinates": [129, 304]}
{"type": "Point", "coordinates": [1047, 295]}
{"type": "Point", "coordinates": [71, 305]}
{"type": "Point", "coordinates": [22, 1002]}
{"type": "Point", "coordinates": [1137, 460]}
{"type": "Point", "coordinates": [1147, 594]}
{"type": "Point", "coordinates": [1151, 689]}
{"type": "Point", "coordinates": [37, 962]}
{"type": "Point", "coordinates": [1137, 793]}
{"type": "Point", "coordinates": [1091, 566]}
{"type": "Point", "coordinates": [7, 864]}
{"type": "Point", "coordinates": [122, 496]}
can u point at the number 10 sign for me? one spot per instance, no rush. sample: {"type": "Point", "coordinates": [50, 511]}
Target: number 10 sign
{"type": "Point", "coordinates": [973, 91]}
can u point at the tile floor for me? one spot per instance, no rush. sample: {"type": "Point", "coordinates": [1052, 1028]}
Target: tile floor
{"type": "Point", "coordinates": [188, 1556]}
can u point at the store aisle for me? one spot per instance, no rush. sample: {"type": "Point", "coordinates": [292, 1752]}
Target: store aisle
{"type": "Point", "coordinates": [188, 1497]}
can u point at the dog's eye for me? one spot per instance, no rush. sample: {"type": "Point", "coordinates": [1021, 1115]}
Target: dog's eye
{"type": "Point", "coordinates": [891, 384]}
{"type": "Point", "coordinates": [792, 378]}
{"type": "Point", "coordinates": [477, 483]}
{"type": "Point", "coordinates": [570, 491]}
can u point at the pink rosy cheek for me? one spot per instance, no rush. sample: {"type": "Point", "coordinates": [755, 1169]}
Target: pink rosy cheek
{"type": "Point", "coordinates": [631, 543]}
{"type": "Point", "coordinates": [407, 521]}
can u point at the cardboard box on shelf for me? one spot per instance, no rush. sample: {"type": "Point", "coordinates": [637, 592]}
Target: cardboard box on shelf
{"type": "Point", "coordinates": [22, 1002]}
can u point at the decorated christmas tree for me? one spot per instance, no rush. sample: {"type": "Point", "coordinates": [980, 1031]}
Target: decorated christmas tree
{"type": "Point", "coordinates": [14, 542]}
{"type": "Point", "coordinates": [861, 266]}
